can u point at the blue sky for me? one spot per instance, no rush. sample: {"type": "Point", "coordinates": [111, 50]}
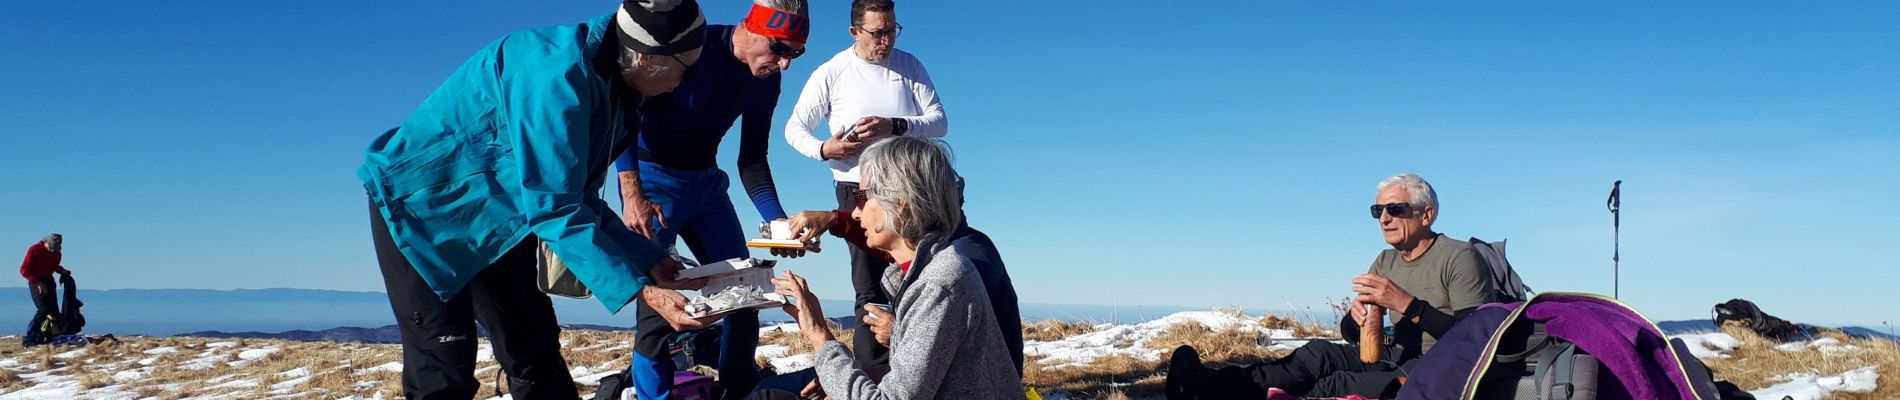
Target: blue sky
{"type": "Point", "coordinates": [1198, 154]}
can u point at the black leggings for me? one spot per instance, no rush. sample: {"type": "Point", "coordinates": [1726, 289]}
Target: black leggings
{"type": "Point", "coordinates": [438, 337]}
{"type": "Point", "coordinates": [1318, 369]}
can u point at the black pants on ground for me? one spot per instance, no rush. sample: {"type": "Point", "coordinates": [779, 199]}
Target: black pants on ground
{"type": "Point", "coordinates": [1317, 369]}
{"type": "Point", "coordinates": [438, 337]}
{"type": "Point", "coordinates": [867, 277]}
{"type": "Point", "coordinates": [45, 303]}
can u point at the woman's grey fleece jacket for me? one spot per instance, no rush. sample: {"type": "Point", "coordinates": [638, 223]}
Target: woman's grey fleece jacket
{"type": "Point", "coordinates": [946, 344]}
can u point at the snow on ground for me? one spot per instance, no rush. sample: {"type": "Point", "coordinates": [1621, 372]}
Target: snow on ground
{"type": "Point", "coordinates": [1794, 386]}
{"type": "Point", "coordinates": [1805, 386]}
{"type": "Point", "coordinates": [1709, 344]}
{"type": "Point", "coordinates": [785, 327]}
{"type": "Point", "coordinates": [1131, 340]}
{"type": "Point", "coordinates": [392, 366]}
{"type": "Point", "coordinates": [253, 354]}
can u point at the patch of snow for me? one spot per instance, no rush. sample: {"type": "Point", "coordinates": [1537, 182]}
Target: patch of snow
{"type": "Point", "coordinates": [1709, 344]}
{"type": "Point", "coordinates": [1131, 340]}
{"type": "Point", "coordinates": [237, 384]}
{"type": "Point", "coordinates": [1808, 386]}
{"type": "Point", "coordinates": [254, 354]}
{"type": "Point", "coordinates": [1824, 345]}
{"type": "Point", "coordinates": [71, 354]}
{"type": "Point", "coordinates": [128, 375]}
{"type": "Point", "coordinates": [392, 366]}
{"type": "Point", "coordinates": [592, 379]}
{"type": "Point", "coordinates": [485, 353]}
{"type": "Point", "coordinates": [162, 350]}
{"type": "Point", "coordinates": [285, 386]}
{"type": "Point", "coordinates": [296, 373]}
{"type": "Point", "coordinates": [792, 363]}
{"type": "Point", "coordinates": [1831, 345]}
{"type": "Point", "coordinates": [772, 351]}
{"type": "Point", "coordinates": [785, 327]}
{"type": "Point", "coordinates": [221, 344]}
{"type": "Point", "coordinates": [203, 362]}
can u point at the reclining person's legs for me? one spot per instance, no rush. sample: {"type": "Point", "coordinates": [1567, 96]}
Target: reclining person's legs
{"type": "Point", "coordinates": [1297, 373]}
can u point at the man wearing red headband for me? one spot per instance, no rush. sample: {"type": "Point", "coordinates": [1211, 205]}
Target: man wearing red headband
{"type": "Point", "coordinates": [672, 189]}
{"type": "Point", "coordinates": [864, 93]}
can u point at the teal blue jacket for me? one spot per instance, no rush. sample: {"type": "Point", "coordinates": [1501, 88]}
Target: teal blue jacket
{"type": "Point", "coordinates": [514, 144]}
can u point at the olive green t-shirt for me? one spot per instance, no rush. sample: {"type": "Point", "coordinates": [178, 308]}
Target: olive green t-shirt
{"type": "Point", "coordinates": [1450, 276]}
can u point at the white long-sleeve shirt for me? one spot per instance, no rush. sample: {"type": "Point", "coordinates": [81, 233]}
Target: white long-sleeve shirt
{"type": "Point", "coordinates": [847, 88]}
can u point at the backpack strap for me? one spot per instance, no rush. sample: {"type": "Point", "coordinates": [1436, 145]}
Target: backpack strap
{"type": "Point", "coordinates": [1554, 372]}
{"type": "Point", "coordinates": [1534, 344]}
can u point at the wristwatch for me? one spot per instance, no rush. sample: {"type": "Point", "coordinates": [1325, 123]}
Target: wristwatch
{"type": "Point", "coordinates": [899, 126]}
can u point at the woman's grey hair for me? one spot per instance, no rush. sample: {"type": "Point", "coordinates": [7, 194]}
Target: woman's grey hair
{"type": "Point", "coordinates": [914, 172]}
{"type": "Point", "coordinates": [795, 6]}
{"type": "Point", "coordinates": [1416, 187]}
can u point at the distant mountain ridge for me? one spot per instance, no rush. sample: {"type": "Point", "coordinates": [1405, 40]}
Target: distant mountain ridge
{"type": "Point", "coordinates": [319, 312]}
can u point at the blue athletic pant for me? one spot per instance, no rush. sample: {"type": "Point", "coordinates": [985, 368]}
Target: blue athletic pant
{"type": "Point", "coordinates": [698, 212]}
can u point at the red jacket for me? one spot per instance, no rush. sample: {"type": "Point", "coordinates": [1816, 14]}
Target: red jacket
{"type": "Point", "coordinates": [40, 262]}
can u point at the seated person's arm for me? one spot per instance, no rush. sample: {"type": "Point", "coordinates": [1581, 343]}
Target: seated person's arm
{"type": "Point", "coordinates": [1349, 328]}
{"type": "Point", "coordinates": [1470, 285]}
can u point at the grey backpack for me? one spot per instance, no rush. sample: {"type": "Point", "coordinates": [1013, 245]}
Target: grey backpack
{"type": "Point", "coordinates": [1510, 286]}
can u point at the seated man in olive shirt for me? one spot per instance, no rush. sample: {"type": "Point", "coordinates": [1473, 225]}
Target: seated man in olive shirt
{"type": "Point", "coordinates": [1426, 281]}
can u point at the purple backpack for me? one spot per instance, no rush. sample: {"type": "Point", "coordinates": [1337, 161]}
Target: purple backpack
{"type": "Point", "coordinates": [688, 385]}
{"type": "Point", "coordinates": [1588, 346]}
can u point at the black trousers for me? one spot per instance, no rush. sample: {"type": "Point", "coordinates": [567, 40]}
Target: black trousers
{"type": "Point", "coordinates": [1317, 369]}
{"type": "Point", "coordinates": [45, 303]}
{"type": "Point", "coordinates": [438, 337]}
{"type": "Point", "coordinates": [867, 277]}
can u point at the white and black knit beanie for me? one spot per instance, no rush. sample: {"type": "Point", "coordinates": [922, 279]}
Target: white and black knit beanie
{"type": "Point", "coordinates": [661, 27]}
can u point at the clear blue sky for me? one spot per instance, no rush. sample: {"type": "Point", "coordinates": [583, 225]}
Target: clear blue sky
{"type": "Point", "coordinates": [1197, 153]}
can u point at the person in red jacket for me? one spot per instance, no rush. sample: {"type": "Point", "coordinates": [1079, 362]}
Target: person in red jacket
{"type": "Point", "coordinates": [42, 260]}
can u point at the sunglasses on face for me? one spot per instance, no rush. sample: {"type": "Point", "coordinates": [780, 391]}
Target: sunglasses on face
{"type": "Point", "coordinates": [859, 196]}
{"type": "Point", "coordinates": [1396, 210]}
{"type": "Point", "coordinates": [785, 51]}
{"type": "Point", "coordinates": [892, 33]}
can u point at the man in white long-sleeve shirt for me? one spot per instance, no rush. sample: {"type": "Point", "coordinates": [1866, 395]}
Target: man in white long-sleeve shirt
{"type": "Point", "coordinates": [864, 93]}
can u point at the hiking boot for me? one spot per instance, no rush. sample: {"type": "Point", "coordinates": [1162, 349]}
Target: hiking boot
{"type": "Point", "coordinates": [1185, 373]}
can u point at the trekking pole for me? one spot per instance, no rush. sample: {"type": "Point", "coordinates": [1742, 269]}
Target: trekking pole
{"type": "Point", "coordinates": [1616, 251]}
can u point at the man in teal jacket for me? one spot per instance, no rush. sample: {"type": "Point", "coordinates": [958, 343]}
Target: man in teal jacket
{"type": "Point", "coordinates": [509, 152]}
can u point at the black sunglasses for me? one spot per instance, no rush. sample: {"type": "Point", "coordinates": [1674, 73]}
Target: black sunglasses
{"type": "Point", "coordinates": [1397, 210]}
{"type": "Point", "coordinates": [859, 196]}
{"type": "Point", "coordinates": [785, 51]}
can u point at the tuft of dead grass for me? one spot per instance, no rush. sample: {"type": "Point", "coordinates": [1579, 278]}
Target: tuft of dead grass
{"type": "Point", "coordinates": [1225, 346]}
{"type": "Point", "coordinates": [94, 379]}
{"type": "Point", "coordinates": [797, 343]}
{"type": "Point", "coordinates": [1048, 330]}
{"type": "Point", "coordinates": [10, 380]}
{"type": "Point", "coordinates": [1096, 379]}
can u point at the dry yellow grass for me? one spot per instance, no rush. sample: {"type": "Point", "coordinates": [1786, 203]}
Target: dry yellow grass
{"type": "Point", "coordinates": [1756, 363]}
{"type": "Point", "coordinates": [10, 380]}
{"type": "Point", "coordinates": [1095, 379]}
{"type": "Point", "coordinates": [94, 379]}
{"type": "Point", "coordinates": [797, 343]}
{"type": "Point", "coordinates": [1048, 330]}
